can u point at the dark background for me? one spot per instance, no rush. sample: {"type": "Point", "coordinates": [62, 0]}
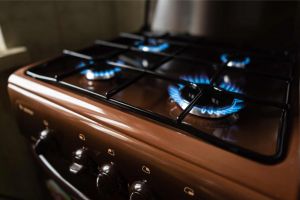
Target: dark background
{"type": "Point", "coordinates": [47, 27]}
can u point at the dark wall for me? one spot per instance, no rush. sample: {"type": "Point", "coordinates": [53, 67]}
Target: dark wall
{"type": "Point", "coordinates": [47, 27]}
{"type": "Point", "coordinates": [255, 23]}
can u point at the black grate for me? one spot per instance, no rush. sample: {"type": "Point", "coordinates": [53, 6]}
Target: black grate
{"type": "Point", "coordinates": [126, 45]}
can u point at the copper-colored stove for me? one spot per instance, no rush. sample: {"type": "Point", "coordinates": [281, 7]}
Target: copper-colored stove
{"type": "Point", "coordinates": [163, 118]}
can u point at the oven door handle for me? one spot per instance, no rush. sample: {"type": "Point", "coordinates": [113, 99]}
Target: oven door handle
{"type": "Point", "coordinates": [47, 165]}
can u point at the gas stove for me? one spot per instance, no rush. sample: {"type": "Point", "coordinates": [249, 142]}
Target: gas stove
{"type": "Point", "coordinates": [157, 117]}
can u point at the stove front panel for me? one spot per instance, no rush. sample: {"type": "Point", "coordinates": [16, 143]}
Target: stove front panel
{"type": "Point", "coordinates": [92, 160]}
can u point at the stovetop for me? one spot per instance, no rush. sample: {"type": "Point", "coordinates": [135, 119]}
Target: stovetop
{"type": "Point", "coordinates": [235, 99]}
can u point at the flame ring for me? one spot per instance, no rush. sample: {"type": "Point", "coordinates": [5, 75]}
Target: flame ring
{"type": "Point", "coordinates": [206, 111]}
{"type": "Point", "coordinates": [152, 48]}
{"type": "Point", "coordinates": [234, 63]}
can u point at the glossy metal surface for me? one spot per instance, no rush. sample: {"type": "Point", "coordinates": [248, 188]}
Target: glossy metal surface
{"type": "Point", "coordinates": [184, 163]}
{"type": "Point", "coordinates": [256, 86]}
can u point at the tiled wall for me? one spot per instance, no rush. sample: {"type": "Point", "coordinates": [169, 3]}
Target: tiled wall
{"type": "Point", "coordinates": [46, 27]}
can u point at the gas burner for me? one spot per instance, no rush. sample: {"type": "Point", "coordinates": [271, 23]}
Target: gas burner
{"type": "Point", "coordinates": [212, 103]}
{"type": "Point", "coordinates": [235, 61]}
{"type": "Point", "coordinates": [101, 74]}
{"type": "Point", "coordinates": [151, 45]}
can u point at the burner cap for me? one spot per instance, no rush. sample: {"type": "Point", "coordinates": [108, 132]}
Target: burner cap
{"type": "Point", "coordinates": [235, 60]}
{"type": "Point", "coordinates": [104, 73]}
{"type": "Point", "coordinates": [152, 45]}
{"type": "Point", "coordinates": [212, 103]}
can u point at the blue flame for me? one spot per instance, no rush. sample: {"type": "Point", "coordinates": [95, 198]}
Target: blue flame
{"type": "Point", "coordinates": [230, 87]}
{"type": "Point", "coordinates": [174, 93]}
{"type": "Point", "coordinates": [83, 72]}
{"type": "Point", "coordinates": [236, 105]}
{"type": "Point", "coordinates": [198, 79]}
{"type": "Point", "coordinates": [225, 58]}
{"type": "Point", "coordinates": [153, 47]}
{"type": "Point", "coordinates": [102, 73]}
{"type": "Point", "coordinates": [83, 64]}
{"type": "Point", "coordinates": [80, 65]}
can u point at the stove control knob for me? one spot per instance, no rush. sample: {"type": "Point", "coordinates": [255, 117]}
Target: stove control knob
{"type": "Point", "coordinates": [45, 142]}
{"type": "Point", "coordinates": [107, 180]}
{"type": "Point", "coordinates": [80, 160]}
{"type": "Point", "coordinates": [81, 156]}
{"type": "Point", "coordinates": [139, 190]}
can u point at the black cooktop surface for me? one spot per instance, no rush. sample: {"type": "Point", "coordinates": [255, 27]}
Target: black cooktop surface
{"type": "Point", "coordinates": [235, 99]}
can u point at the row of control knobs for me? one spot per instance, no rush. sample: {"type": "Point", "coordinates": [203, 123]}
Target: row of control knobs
{"type": "Point", "coordinates": [107, 180]}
